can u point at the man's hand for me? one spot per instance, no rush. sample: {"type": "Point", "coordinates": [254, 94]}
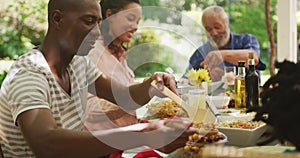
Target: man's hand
{"type": "Point", "coordinates": [165, 79]}
{"type": "Point", "coordinates": [213, 59]}
{"type": "Point", "coordinates": [168, 135]}
{"type": "Point", "coordinates": [162, 79]}
{"type": "Point", "coordinates": [216, 74]}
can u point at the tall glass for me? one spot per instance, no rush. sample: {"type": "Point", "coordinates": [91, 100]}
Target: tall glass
{"type": "Point", "coordinates": [229, 74]}
{"type": "Point", "coordinates": [229, 77]}
{"type": "Point", "coordinates": [195, 97]}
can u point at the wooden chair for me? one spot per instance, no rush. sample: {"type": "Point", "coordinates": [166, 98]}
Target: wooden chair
{"type": "Point", "coordinates": [1, 154]}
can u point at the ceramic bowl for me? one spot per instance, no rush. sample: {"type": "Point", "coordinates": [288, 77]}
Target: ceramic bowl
{"type": "Point", "coordinates": [243, 137]}
{"type": "Point", "coordinates": [220, 102]}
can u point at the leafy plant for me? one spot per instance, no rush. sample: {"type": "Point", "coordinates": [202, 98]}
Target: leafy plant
{"type": "Point", "coordinates": [146, 55]}
{"type": "Point", "coordinates": [2, 77]}
{"type": "Point", "coordinates": [22, 25]}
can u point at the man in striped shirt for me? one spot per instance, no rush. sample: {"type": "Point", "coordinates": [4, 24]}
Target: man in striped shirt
{"type": "Point", "coordinates": [42, 100]}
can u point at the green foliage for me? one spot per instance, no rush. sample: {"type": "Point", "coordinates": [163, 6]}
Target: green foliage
{"type": "Point", "coordinates": [147, 69]}
{"type": "Point", "coordinates": [146, 36]}
{"type": "Point", "coordinates": [22, 25]}
{"type": "Point", "coordinates": [147, 55]}
{"type": "Point", "coordinates": [206, 3]}
{"type": "Point", "coordinates": [251, 19]}
{"type": "Point", "coordinates": [150, 2]}
{"type": "Point", "coordinates": [2, 77]}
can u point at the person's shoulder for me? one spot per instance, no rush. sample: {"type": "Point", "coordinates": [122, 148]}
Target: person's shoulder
{"type": "Point", "coordinates": [32, 60]}
{"type": "Point", "coordinates": [79, 60]}
{"type": "Point", "coordinates": [243, 35]}
{"type": "Point", "coordinates": [27, 69]}
{"type": "Point", "coordinates": [203, 48]}
{"type": "Point", "coordinates": [80, 63]}
{"type": "Point", "coordinates": [246, 37]}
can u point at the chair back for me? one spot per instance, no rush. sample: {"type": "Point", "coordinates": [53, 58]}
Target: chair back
{"type": "Point", "coordinates": [1, 154]}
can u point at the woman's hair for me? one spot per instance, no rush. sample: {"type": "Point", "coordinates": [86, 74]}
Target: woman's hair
{"type": "Point", "coordinates": [115, 6]}
{"type": "Point", "coordinates": [281, 103]}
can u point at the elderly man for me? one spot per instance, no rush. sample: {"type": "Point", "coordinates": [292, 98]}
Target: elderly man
{"type": "Point", "coordinates": [42, 99]}
{"type": "Point", "coordinates": [223, 46]}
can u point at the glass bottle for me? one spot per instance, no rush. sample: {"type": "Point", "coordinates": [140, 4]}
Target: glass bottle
{"type": "Point", "coordinates": [239, 86]}
{"type": "Point", "coordinates": [252, 84]}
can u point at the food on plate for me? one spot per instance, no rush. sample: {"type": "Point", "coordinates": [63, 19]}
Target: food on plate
{"type": "Point", "coordinates": [194, 146]}
{"type": "Point", "coordinates": [242, 133]}
{"type": "Point", "coordinates": [228, 111]}
{"type": "Point", "coordinates": [165, 109]}
{"type": "Point", "coordinates": [240, 124]}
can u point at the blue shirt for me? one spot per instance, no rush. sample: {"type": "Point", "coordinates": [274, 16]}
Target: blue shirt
{"type": "Point", "coordinates": [237, 41]}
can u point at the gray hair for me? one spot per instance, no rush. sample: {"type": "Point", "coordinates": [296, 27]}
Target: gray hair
{"type": "Point", "coordinates": [215, 10]}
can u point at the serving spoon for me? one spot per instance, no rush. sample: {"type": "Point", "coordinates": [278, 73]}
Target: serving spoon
{"type": "Point", "coordinates": [196, 114]}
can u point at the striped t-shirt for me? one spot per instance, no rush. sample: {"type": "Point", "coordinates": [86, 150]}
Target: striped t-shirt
{"type": "Point", "coordinates": [30, 85]}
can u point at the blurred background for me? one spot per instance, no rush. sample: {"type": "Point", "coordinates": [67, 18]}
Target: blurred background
{"type": "Point", "coordinates": [168, 34]}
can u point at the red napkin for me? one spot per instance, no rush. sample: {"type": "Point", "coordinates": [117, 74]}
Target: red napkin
{"type": "Point", "coordinates": [116, 155]}
{"type": "Point", "coordinates": [144, 121]}
{"type": "Point", "coordinates": [147, 153]}
{"type": "Point", "coordinates": [174, 118]}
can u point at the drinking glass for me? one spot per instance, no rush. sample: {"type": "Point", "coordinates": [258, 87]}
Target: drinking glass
{"type": "Point", "coordinates": [229, 74]}
{"type": "Point", "coordinates": [196, 98]}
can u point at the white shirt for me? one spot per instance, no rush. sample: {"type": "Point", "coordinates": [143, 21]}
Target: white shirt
{"type": "Point", "coordinates": [31, 85]}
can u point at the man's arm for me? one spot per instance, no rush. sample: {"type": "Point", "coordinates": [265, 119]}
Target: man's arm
{"type": "Point", "coordinates": [215, 58]}
{"type": "Point", "coordinates": [134, 95]}
{"type": "Point", "coordinates": [47, 140]}
{"type": "Point", "coordinates": [233, 56]}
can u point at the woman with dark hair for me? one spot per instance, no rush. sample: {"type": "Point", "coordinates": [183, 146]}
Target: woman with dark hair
{"type": "Point", "coordinates": [281, 106]}
{"type": "Point", "coordinates": [120, 20]}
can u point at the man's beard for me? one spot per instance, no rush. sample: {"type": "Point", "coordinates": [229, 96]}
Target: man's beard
{"type": "Point", "coordinates": [222, 43]}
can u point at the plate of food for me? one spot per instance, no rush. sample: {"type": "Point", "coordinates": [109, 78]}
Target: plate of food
{"type": "Point", "coordinates": [228, 111]}
{"type": "Point", "coordinates": [194, 146]}
{"type": "Point", "coordinates": [242, 133]}
{"type": "Point", "coordinates": [163, 108]}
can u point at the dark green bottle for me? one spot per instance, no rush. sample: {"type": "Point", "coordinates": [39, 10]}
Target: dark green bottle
{"type": "Point", "coordinates": [252, 84]}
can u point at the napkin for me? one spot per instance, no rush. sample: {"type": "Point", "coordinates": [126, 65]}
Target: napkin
{"type": "Point", "coordinates": [147, 153]}
{"type": "Point", "coordinates": [116, 155]}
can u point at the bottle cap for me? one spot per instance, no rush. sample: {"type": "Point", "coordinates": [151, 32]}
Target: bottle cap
{"type": "Point", "coordinates": [241, 63]}
{"type": "Point", "coordinates": [251, 55]}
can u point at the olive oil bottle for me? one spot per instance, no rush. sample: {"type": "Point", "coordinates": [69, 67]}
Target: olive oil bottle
{"type": "Point", "coordinates": [239, 87]}
{"type": "Point", "coordinates": [252, 84]}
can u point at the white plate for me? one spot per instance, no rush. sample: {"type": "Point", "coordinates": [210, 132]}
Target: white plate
{"type": "Point", "coordinates": [236, 116]}
{"type": "Point", "coordinates": [228, 111]}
